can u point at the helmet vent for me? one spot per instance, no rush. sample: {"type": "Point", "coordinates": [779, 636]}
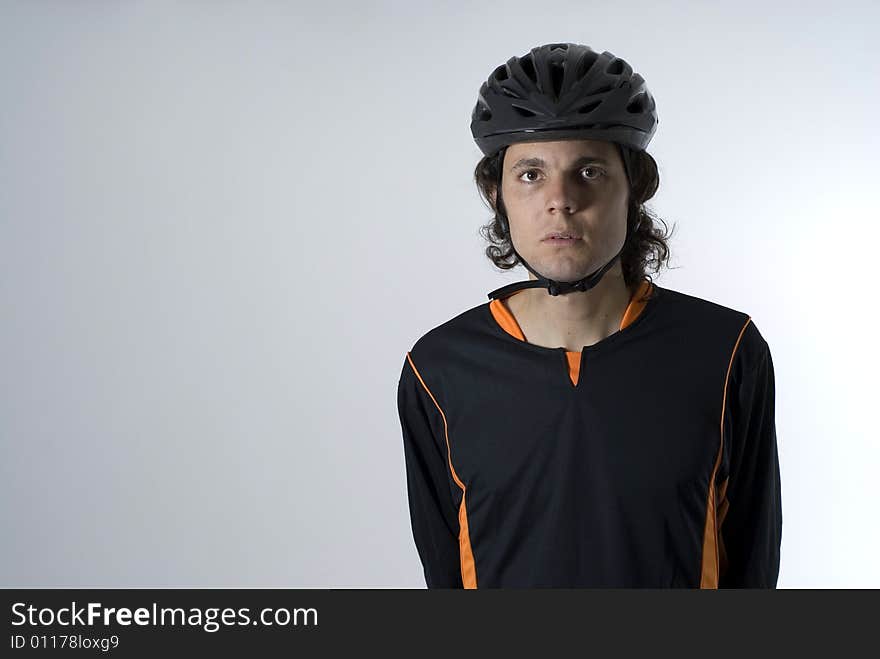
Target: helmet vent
{"type": "Point", "coordinates": [529, 67]}
{"type": "Point", "coordinates": [615, 68]}
{"type": "Point", "coordinates": [522, 111]}
{"type": "Point", "coordinates": [557, 71]}
{"type": "Point", "coordinates": [500, 73]}
{"type": "Point", "coordinates": [589, 107]}
{"type": "Point", "coordinates": [585, 64]}
{"type": "Point", "coordinates": [637, 105]}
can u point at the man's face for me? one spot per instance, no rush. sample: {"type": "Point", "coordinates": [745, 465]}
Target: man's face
{"type": "Point", "coordinates": [574, 186]}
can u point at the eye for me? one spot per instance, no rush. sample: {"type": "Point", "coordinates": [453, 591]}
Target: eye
{"type": "Point", "coordinates": [528, 171]}
{"type": "Point", "coordinates": [599, 174]}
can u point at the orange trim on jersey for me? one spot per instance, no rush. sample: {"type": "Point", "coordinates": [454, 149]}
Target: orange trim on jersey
{"type": "Point", "coordinates": [636, 304]}
{"type": "Point", "coordinates": [468, 569]}
{"type": "Point", "coordinates": [505, 319]}
{"type": "Point", "coordinates": [711, 564]}
{"type": "Point", "coordinates": [574, 365]}
{"type": "Point", "coordinates": [722, 513]}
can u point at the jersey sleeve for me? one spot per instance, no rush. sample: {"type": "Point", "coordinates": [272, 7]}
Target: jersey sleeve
{"type": "Point", "coordinates": [432, 511]}
{"type": "Point", "coordinates": [751, 527]}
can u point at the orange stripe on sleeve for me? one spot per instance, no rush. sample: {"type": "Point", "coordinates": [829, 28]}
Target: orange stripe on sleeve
{"type": "Point", "coordinates": [468, 569]}
{"type": "Point", "coordinates": [710, 569]}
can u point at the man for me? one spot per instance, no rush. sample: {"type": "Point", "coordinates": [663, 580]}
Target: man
{"type": "Point", "coordinates": [586, 428]}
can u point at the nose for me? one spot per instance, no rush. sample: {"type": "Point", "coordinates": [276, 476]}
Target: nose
{"type": "Point", "coordinates": [561, 196]}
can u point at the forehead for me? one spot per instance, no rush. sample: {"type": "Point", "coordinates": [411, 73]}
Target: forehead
{"type": "Point", "coordinates": [558, 151]}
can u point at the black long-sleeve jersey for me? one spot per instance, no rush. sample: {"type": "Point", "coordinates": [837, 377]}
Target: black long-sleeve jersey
{"type": "Point", "coordinates": [648, 459]}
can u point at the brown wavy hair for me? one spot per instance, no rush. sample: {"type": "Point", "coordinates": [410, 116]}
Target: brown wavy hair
{"type": "Point", "coordinates": [645, 249]}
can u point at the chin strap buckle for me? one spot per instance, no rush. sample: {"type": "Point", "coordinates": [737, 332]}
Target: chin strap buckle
{"type": "Point", "coordinates": [556, 288]}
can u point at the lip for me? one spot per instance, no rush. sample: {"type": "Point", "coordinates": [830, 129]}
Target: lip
{"type": "Point", "coordinates": [552, 236]}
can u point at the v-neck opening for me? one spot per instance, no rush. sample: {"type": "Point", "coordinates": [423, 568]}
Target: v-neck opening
{"type": "Point", "coordinates": [504, 319]}
{"type": "Point", "coordinates": [504, 322]}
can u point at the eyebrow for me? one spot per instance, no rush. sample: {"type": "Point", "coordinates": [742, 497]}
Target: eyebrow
{"type": "Point", "coordinates": [539, 162]}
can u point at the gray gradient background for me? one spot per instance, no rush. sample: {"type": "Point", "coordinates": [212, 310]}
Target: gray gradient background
{"type": "Point", "coordinates": [222, 225]}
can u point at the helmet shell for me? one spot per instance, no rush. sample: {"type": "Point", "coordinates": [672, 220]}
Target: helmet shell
{"type": "Point", "coordinates": [563, 91]}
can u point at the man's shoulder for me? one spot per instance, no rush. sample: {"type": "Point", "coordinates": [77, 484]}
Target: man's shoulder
{"type": "Point", "coordinates": [708, 315]}
{"type": "Point", "coordinates": [699, 307]}
{"type": "Point", "coordinates": [466, 327]}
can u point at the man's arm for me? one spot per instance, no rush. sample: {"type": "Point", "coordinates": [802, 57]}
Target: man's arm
{"type": "Point", "coordinates": [751, 508]}
{"type": "Point", "coordinates": [432, 510]}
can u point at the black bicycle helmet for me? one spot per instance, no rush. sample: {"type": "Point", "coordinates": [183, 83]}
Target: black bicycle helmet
{"type": "Point", "coordinates": [562, 91]}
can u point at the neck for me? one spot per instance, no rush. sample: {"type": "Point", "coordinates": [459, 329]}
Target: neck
{"type": "Point", "coordinates": [577, 319]}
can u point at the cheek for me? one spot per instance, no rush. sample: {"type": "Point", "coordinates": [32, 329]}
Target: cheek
{"type": "Point", "coordinates": [521, 209]}
{"type": "Point", "coordinates": [615, 209]}
{"type": "Point", "coordinates": [514, 198]}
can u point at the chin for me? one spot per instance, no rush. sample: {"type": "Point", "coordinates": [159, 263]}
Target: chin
{"type": "Point", "coordinates": [563, 273]}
